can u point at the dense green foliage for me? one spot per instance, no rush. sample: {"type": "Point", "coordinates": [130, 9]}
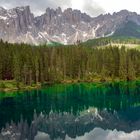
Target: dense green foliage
{"type": "Point", "coordinates": [110, 40]}
{"type": "Point", "coordinates": [32, 64]}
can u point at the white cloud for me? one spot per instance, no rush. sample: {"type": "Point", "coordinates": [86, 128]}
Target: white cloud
{"type": "Point", "coordinates": [42, 136]}
{"type": "Point", "coordinates": [39, 6]}
{"type": "Point", "coordinates": [117, 5]}
{"type": "Point", "coordinates": [92, 7]}
{"type": "Point", "coordinates": [100, 134]}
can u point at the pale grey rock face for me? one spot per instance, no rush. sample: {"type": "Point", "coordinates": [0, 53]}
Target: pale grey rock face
{"type": "Point", "coordinates": [19, 25]}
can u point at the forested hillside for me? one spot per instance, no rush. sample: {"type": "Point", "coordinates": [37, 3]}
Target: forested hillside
{"type": "Point", "coordinates": [32, 64]}
{"type": "Point", "coordinates": [110, 40]}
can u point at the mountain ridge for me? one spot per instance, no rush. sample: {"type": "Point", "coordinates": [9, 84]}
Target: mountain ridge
{"type": "Point", "coordinates": [19, 25]}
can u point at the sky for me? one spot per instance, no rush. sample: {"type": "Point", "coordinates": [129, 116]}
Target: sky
{"type": "Point", "coordinates": [91, 7]}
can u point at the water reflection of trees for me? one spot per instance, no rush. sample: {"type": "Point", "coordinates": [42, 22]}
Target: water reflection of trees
{"type": "Point", "coordinates": [73, 99]}
{"type": "Point", "coordinates": [62, 124]}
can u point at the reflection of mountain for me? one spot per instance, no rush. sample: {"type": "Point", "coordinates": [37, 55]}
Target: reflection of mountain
{"type": "Point", "coordinates": [107, 106]}
{"type": "Point", "coordinates": [61, 125]}
{"type": "Point", "coordinates": [100, 134]}
{"type": "Point", "coordinates": [68, 98]}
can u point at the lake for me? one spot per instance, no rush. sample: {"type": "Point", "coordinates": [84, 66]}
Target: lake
{"type": "Point", "coordinates": [82, 111]}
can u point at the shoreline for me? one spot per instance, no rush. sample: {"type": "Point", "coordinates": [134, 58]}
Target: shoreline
{"type": "Point", "coordinates": [10, 85]}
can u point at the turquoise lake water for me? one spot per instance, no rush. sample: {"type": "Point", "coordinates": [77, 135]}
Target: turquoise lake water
{"type": "Point", "coordinates": [69, 111]}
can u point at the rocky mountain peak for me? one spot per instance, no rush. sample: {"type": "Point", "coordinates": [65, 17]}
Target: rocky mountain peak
{"type": "Point", "coordinates": [59, 11]}
{"type": "Point", "coordinates": [23, 8]}
{"type": "Point", "coordinates": [2, 9]}
{"type": "Point", "coordinates": [122, 13]}
{"type": "Point", "coordinates": [56, 25]}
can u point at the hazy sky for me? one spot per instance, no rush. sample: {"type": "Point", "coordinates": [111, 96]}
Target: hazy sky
{"type": "Point", "coordinates": [92, 7]}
